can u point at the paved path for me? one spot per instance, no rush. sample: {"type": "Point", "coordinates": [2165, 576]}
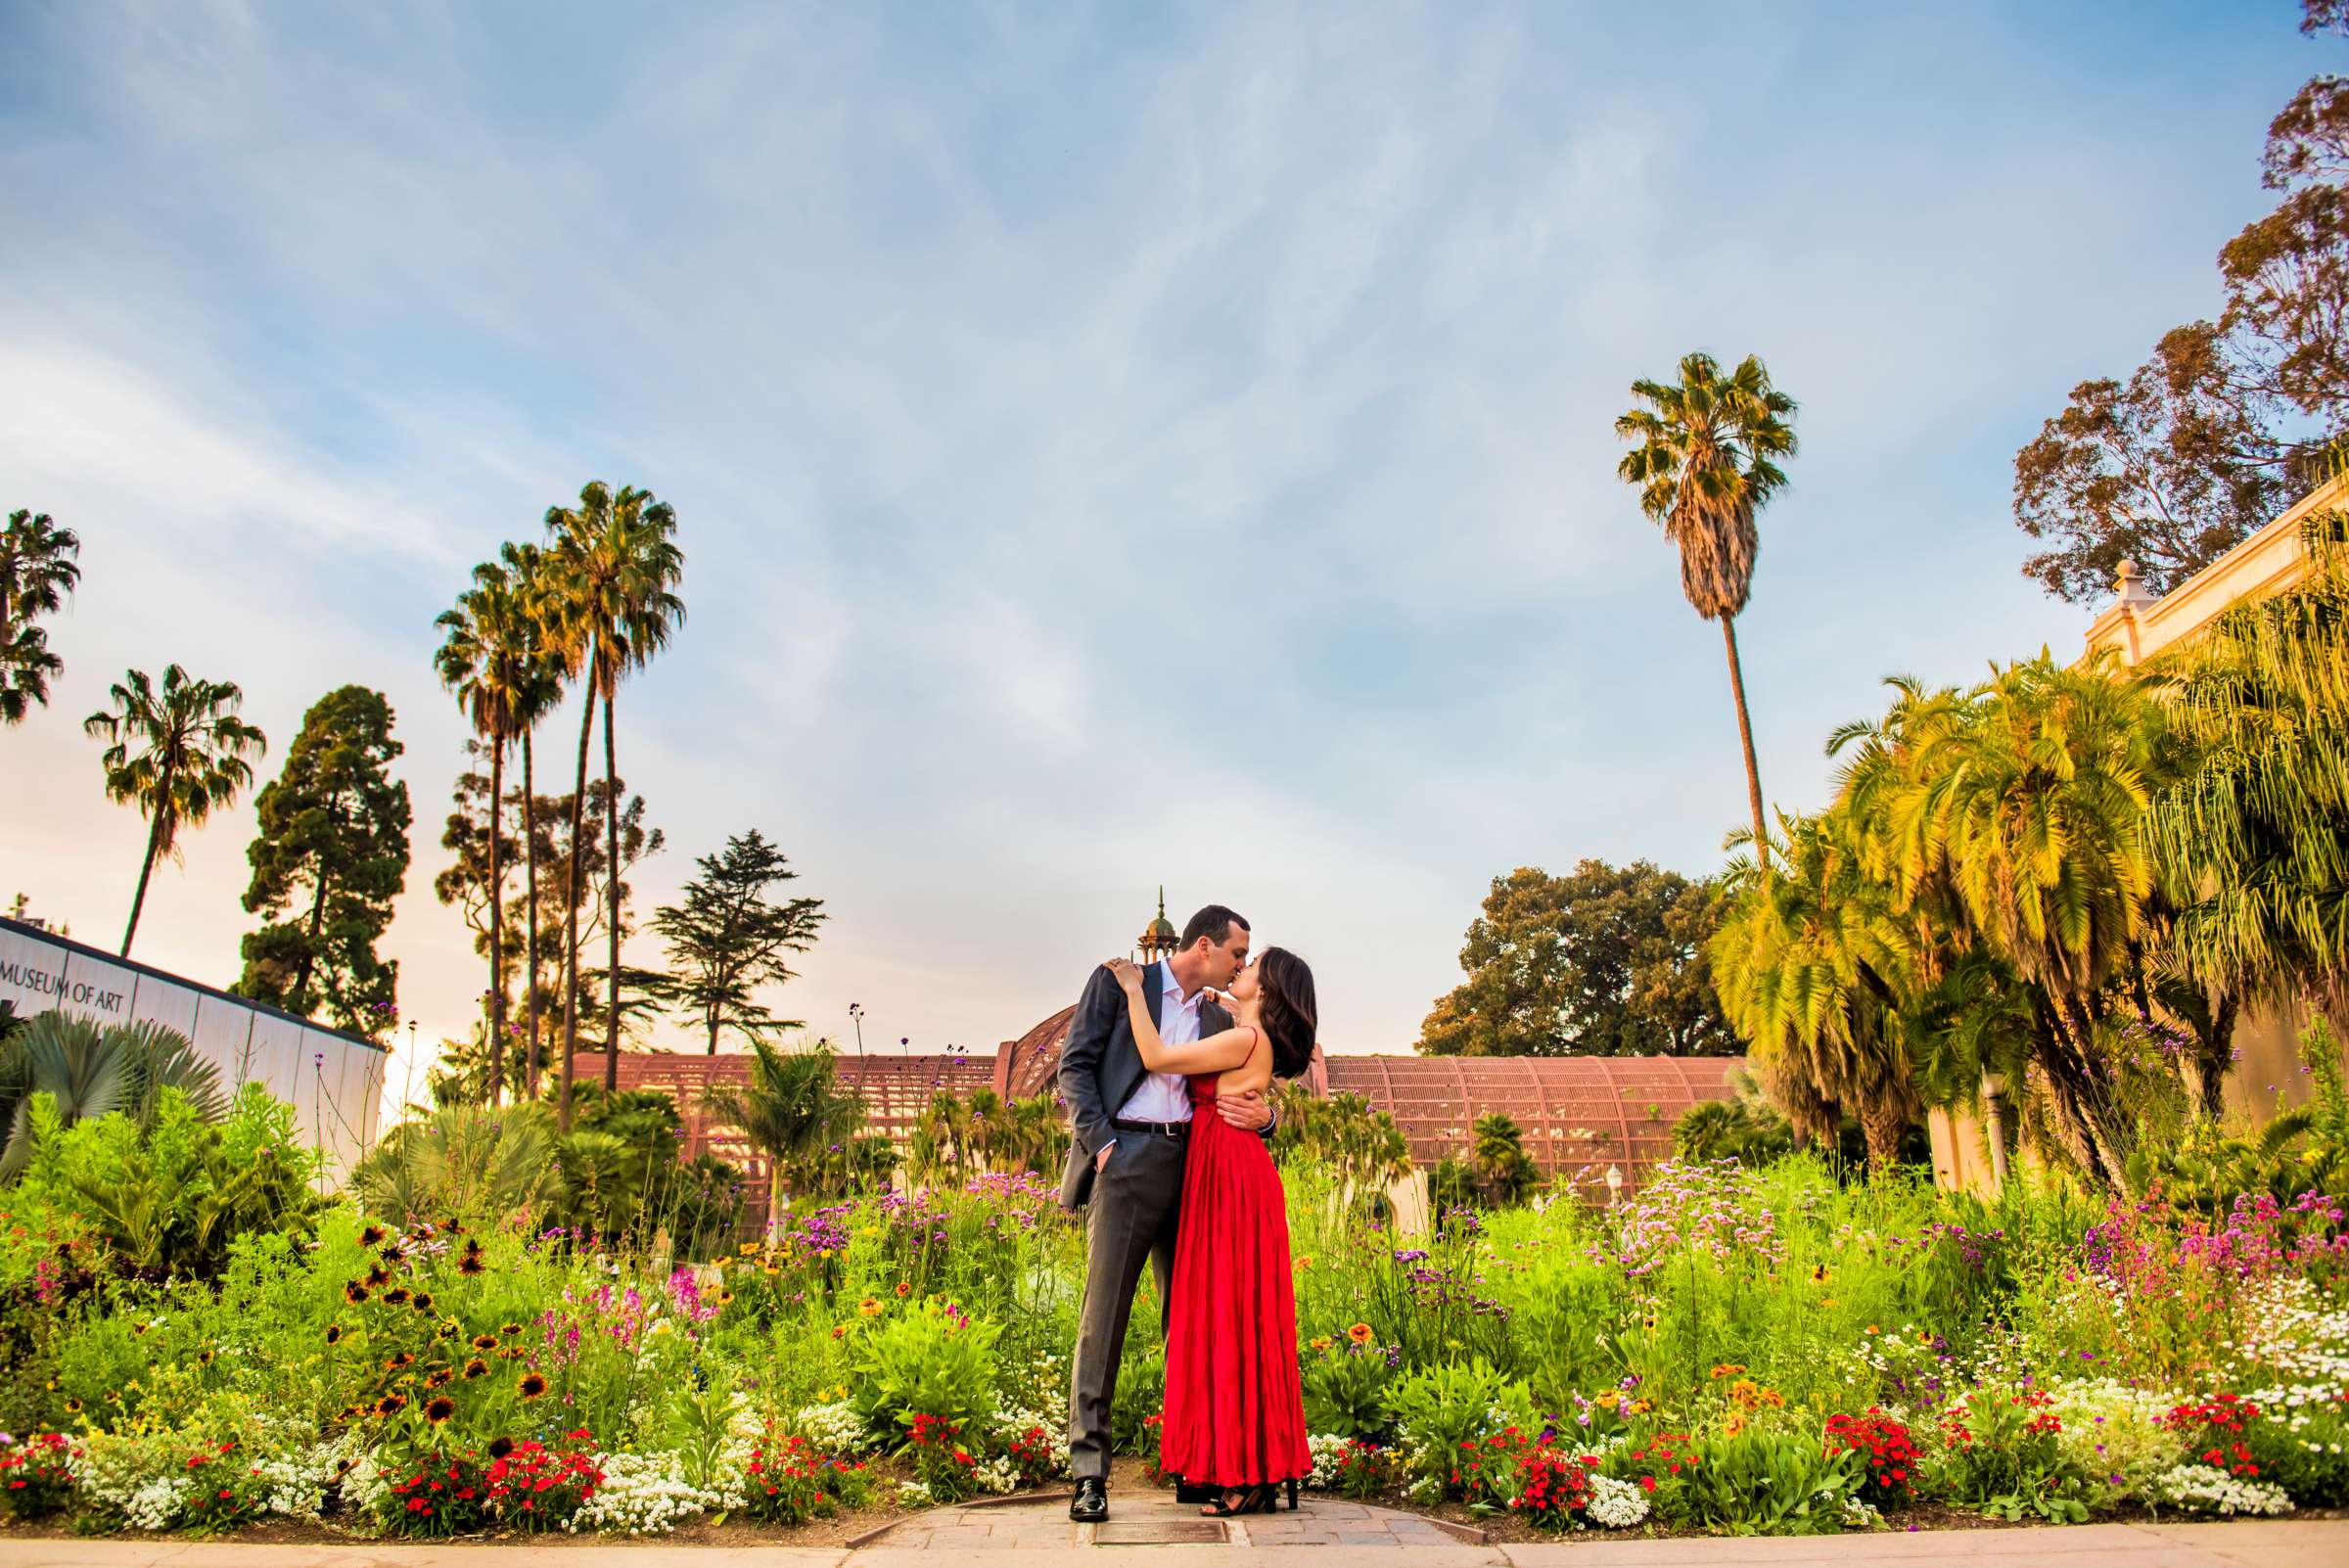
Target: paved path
{"type": "Point", "coordinates": [2251, 1543]}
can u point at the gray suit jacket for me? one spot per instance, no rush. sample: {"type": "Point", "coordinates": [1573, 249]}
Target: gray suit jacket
{"type": "Point", "coordinates": [1100, 1066]}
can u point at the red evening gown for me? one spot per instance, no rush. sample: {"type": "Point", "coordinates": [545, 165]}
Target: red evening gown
{"type": "Point", "coordinates": [1235, 1414]}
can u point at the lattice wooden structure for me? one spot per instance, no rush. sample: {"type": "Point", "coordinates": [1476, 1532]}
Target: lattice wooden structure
{"type": "Point", "coordinates": [1576, 1112]}
{"type": "Point", "coordinates": [893, 1088]}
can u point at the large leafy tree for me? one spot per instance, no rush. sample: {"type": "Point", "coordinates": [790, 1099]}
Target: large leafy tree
{"type": "Point", "coordinates": [2203, 443]}
{"type": "Point", "coordinates": [331, 855]}
{"type": "Point", "coordinates": [486, 659]}
{"type": "Point", "coordinates": [732, 936]}
{"type": "Point", "coordinates": [2169, 469]}
{"type": "Point", "coordinates": [177, 752]}
{"type": "Point", "coordinates": [39, 564]}
{"type": "Point", "coordinates": [1705, 456]}
{"type": "Point", "coordinates": [613, 565]}
{"type": "Point", "coordinates": [1607, 962]}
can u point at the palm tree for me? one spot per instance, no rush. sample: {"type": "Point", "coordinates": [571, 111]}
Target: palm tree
{"type": "Point", "coordinates": [2255, 842]}
{"type": "Point", "coordinates": [526, 564]}
{"type": "Point", "coordinates": [615, 561]}
{"type": "Point", "coordinates": [485, 661]}
{"type": "Point", "coordinates": [1705, 463]}
{"type": "Point", "coordinates": [178, 754]}
{"type": "Point", "coordinates": [2014, 816]}
{"type": "Point", "coordinates": [1497, 1158]}
{"type": "Point", "coordinates": [789, 1108]}
{"type": "Point", "coordinates": [1813, 965]}
{"type": "Point", "coordinates": [88, 1069]}
{"type": "Point", "coordinates": [38, 567]}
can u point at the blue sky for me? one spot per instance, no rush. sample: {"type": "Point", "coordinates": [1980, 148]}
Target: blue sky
{"type": "Point", "coordinates": [1112, 445]}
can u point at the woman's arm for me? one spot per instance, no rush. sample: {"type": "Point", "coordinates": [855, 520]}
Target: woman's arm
{"type": "Point", "coordinates": [1217, 1054]}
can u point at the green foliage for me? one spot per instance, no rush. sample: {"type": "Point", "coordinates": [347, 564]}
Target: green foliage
{"type": "Point", "coordinates": [934, 1360]}
{"type": "Point", "coordinates": [1771, 1478]}
{"type": "Point", "coordinates": [87, 1069]}
{"type": "Point", "coordinates": [1504, 1172]}
{"type": "Point", "coordinates": [1359, 1148]}
{"type": "Point", "coordinates": [1140, 1401]}
{"type": "Point", "coordinates": [1438, 1409]}
{"type": "Point", "coordinates": [1603, 963]}
{"type": "Point", "coordinates": [1346, 1390]}
{"type": "Point", "coordinates": [957, 1137]}
{"type": "Point", "coordinates": [39, 566]}
{"type": "Point", "coordinates": [1731, 1129]}
{"type": "Point", "coordinates": [331, 855]}
{"type": "Point", "coordinates": [791, 1109]}
{"type": "Point", "coordinates": [168, 1197]}
{"type": "Point", "coordinates": [465, 1160]}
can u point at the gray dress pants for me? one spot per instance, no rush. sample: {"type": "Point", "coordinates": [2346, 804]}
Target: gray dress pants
{"type": "Point", "coordinates": [1136, 1201]}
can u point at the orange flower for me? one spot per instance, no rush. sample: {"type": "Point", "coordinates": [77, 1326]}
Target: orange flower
{"type": "Point", "coordinates": [1360, 1334]}
{"type": "Point", "coordinates": [530, 1386]}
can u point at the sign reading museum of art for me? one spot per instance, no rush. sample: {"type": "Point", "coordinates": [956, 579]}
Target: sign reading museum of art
{"type": "Point", "coordinates": [332, 1080]}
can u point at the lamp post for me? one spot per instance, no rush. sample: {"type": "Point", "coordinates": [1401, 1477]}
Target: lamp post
{"type": "Point", "coordinates": [1614, 1184]}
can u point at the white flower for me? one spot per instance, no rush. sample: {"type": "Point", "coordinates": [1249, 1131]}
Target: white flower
{"type": "Point", "coordinates": [642, 1494]}
{"type": "Point", "coordinates": [2206, 1488]}
{"type": "Point", "coordinates": [1616, 1504]}
{"type": "Point", "coordinates": [834, 1430]}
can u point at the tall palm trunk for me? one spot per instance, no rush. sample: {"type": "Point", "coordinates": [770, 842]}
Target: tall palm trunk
{"type": "Point", "coordinates": [530, 854]}
{"type": "Point", "coordinates": [155, 833]}
{"type": "Point", "coordinates": [1745, 736]}
{"type": "Point", "coordinates": [1881, 1122]}
{"type": "Point", "coordinates": [611, 905]}
{"type": "Point", "coordinates": [497, 917]}
{"type": "Point", "coordinates": [155, 847]}
{"type": "Point", "coordinates": [571, 914]}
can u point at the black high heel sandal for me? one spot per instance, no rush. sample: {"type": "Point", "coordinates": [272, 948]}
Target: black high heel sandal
{"type": "Point", "coordinates": [1292, 1494]}
{"type": "Point", "coordinates": [1252, 1500]}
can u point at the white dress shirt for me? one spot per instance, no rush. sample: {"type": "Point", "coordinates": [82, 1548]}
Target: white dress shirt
{"type": "Point", "coordinates": [1166, 1096]}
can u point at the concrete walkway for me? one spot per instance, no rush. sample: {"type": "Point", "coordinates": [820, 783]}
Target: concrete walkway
{"type": "Point", "coordinates": [2251, 1543]}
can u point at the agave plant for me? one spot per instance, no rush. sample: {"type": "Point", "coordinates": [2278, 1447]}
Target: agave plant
{"type": "Point", "coordinates": [89, 1069]}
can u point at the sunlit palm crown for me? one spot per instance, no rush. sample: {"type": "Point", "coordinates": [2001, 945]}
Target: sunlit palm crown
{"type": "Point", "coordinates": [1704, 460]}
{"type": "Point", "coordinates": [177, 752]}
{"type": "Point", "coordinates": [612, 561]}
{"type": "Point", "coordinates": [2254, 846]}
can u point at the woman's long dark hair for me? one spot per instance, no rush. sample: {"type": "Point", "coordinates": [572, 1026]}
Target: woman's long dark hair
{"type": "Point", "coordinates": [1287, 1010]}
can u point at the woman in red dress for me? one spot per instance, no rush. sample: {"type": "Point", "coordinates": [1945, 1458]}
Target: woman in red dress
{"type": "Point", "coordinates": [1235, 1413]}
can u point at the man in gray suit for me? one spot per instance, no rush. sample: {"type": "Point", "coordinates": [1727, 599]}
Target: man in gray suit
{"type": "Point", "coordinates": [1131, 1137]}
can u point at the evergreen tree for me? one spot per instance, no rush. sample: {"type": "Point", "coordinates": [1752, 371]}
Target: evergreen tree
{"type": "Point", "coordinates": [732, 936]}
{"type": "Point", "coordinates": [334, 837]}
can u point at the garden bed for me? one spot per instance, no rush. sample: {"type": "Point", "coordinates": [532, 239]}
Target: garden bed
{"type": "Point", "coordinates": [1732, 1350]}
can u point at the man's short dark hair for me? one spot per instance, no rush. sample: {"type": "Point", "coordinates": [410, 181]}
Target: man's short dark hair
{"type": "Point", "coordinates": [1214, 923]}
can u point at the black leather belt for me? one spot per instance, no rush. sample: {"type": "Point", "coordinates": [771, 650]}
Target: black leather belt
{"type": "Point", "coordinates": [1161, 1130]}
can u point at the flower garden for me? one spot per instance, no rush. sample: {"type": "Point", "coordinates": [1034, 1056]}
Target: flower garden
{"type": "Point", "coordinates": [1783, 1350]}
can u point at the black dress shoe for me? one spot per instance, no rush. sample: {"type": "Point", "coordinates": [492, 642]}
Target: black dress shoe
{"type": "Point", "coordinates": [1191, 1494]}
{"type": "Point", "coordinates": [1090, 1506]}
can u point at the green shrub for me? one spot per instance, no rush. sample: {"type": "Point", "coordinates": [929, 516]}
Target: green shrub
{"type": "Point", "coordinates": [1440, 1412]}
{"type": "Point", "coordinates": [1346, 1390]}
{"type": "Point", "coordinates": [932, 1361]}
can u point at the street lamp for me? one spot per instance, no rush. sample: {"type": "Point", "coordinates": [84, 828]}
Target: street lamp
{"type": "Point", "coordinates": [1614, 1184]}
